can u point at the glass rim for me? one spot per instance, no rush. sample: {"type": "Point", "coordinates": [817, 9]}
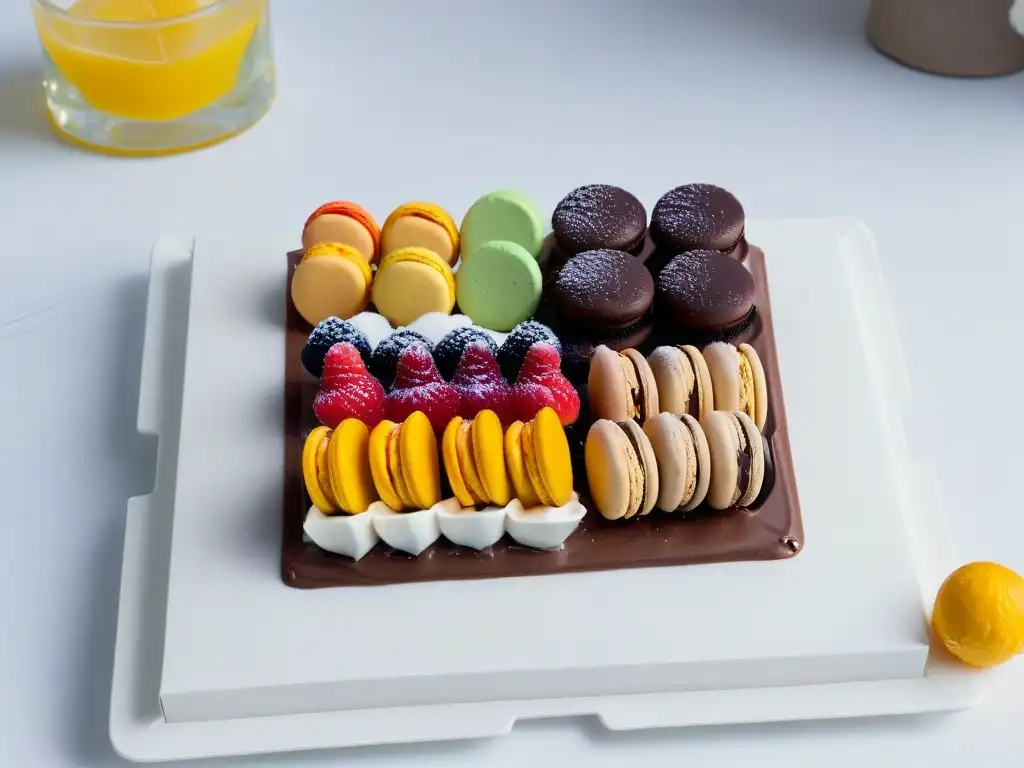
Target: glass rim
{"type": "Point", "coordinates": [48, 7]}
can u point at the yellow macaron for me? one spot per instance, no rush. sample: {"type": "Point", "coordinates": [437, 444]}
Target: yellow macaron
{"type": "Point", "coordinates": [403, 463]}
{"type": "Point", "coordinates": [450, 455]}
{"type": "Point", "coordinates": [489, 457]}
{"type": "Point", "coordinates": [336, 468]}
{"type": "Point", "coordinates": [421, 225]}
{"type": "Point", "coordinates": [411, 282]}
{"type": "Point", "coordinates": [348, 460]}
{"type": "Point", "coordinates": [516, 464]}
{"type": "Point", "coordinates": [468, 465]}
{"type": "Point", "coordinates": [332, 279]}
{"type": "Point", "coordinates": [545, 452]}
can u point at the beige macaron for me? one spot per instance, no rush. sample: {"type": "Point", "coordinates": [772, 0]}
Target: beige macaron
{"type": "Point", "coordinates": [621, 386]}
{"type": "Point", "coordinates": [684, 460]}
{"type": "Point", "coordinates": [622, 471]}
{"type": "Point", "coordinates": [684, 384]}
{"type": "Point", "coordinates": [738, 380]}
{"type": "Point", "coordinates": [737, 459]}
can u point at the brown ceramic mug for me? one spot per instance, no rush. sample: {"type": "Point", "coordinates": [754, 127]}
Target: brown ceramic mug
{"type": "Point", "coordinates": [967, 38]}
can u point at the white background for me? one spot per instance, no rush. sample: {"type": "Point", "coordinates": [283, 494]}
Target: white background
{"type": "Point", "coordinates": [782, 101]}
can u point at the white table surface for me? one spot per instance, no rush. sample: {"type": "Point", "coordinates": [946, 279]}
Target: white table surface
{"type": "Point", "coordinates": [780, 100]}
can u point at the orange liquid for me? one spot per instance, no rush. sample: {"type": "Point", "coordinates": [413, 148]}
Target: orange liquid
{"type": "Point", "coordinates": [155, 73]}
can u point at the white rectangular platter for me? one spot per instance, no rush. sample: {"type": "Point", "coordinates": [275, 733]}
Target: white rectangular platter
{"type": "Point", "coordinates": [216, 656]}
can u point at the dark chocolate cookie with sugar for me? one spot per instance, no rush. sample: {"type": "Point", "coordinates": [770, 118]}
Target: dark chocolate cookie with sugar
{"type": "Point", "coordinates": [597, 216]}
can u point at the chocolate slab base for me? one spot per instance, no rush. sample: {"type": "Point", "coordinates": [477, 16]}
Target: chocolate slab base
{"type": "Point", "coordinates": [774, 532]}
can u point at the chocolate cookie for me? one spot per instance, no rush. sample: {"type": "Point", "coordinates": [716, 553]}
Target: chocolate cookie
{"type": "Point", "coordinates": [697, 217]}
{"type": "Point", "coordinates": [599, 216]}
{"type": "Point", "coordinates": [705, 291]}
{"type": "Point", "coordinates": [602, 290]}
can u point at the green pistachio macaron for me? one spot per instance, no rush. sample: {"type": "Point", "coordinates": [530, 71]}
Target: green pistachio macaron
{"type": "Point", "coordinates": [506, 214]}
{"type": "Point", "coordinates": [500, 286]}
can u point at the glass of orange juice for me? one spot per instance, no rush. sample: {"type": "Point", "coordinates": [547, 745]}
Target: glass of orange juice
{"type": "Point", "coordinates": [151, 77]}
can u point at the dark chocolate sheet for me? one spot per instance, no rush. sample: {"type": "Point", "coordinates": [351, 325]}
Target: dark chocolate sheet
{"type": "Point", "coordinates": [774, 532]}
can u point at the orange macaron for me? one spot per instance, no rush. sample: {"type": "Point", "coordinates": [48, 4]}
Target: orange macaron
{"type": "Point", "coordinates": [341, 221]}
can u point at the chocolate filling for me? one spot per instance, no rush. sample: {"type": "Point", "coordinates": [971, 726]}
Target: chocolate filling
{"type": "Point", "coordinates": [640, 460]}
{"type": "Point", "coordinates": [745, 459]}
{"type": "Point", "coordinates": [768, 484]}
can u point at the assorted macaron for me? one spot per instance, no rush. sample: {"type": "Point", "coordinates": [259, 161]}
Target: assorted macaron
{"type": "Point", "coordinates": [411, 282]}
{"type": "Point", "coordinates": [332, 279]}
{"type": "Point", "coordinates": [621, 386]}
{"type": "Point", "coordinates": [346, 223]}
{"type": "Point", "coordinates": [676, 430]}
{"type": "Point", "coordinates": [696, 217]}
{"type": "Point", "coordinates": [421, 225]}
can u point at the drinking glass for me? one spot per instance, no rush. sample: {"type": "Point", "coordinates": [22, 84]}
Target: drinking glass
{"type": "Point", "coordinates": [152, 77]}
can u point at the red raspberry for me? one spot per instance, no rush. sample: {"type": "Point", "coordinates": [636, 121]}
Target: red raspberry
{"type": "Point", "coordinates": [419, 387]}
{"type": "Point", "coordinates": [480, 385]}
{"type": "Point", "coordinates": [347, 390]}
{"type": "Point", "coordinates": [540, 383]}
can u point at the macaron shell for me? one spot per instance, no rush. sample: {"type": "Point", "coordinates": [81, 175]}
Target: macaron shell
{"type": "Point", "coordinates": [648, 463]}
{"type": "Point", "coordinates": [607, 389]}
{"type": "Point", "coordinates": [552, 455]}
{"type": "Point", "coordinates": [723, 362]}
{"type": "Point", "coordinates": [609, 468]}
{"type": "Point", "coordinates": [516, 465]}
{"type": "Point", "coordinates": [700, 368]}
{"type": "Point", "coordinates": [756, 469]}
{"type": "Point", "coordinates": [503, 215]}
{"type": "Point", "coordinates": [450, 454]}
{"type": "Point", "coordinates": [340, 228]}
{"type": "Point", "coordinates": [412, 231]}
{"type": "Point", "coordinates": [331, 284]}
{"type": "Point", "coordinates": [379, 465]}
{"type": "Point", "coordinates": [489, 456]}
{"type": "Point", "coordinates": [700, 442]}
{"type": "Point", "coordinates": [413, 282]}
{"type": "Point", "coordinates": [676, 457]}
{"type": "Point", "coordinates": [468, 464]}
{"type": "Point", "coordinates": [418, 448]}
{"type": "Point", "coordinates": [648, 405]}
{"type": "Point", "coordinates": [348, 456]}
{"type": "Point", "coordinates": [760, 382]}
{"type": "Point", "coordinates": [500, 286]}
{"type": "Point", "coordinates": [314, 453]}
{"type": "Point", "coordinates": [532, 467]}
{"type": "Point", "coordinates": [396, 469]}
{"type": "Point", "coordinates": [674, 377]}
{"type": "Point", "coordinates": [723, 448]}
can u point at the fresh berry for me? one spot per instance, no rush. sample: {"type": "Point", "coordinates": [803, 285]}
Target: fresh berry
{"type": "Point", "coordinates": [480, 384]}
{"type": "Point", "coordinates": [513, 350]}
{"type": "Point", "coordinates": [385, 357]}
{"type": "Point", "coordinates": [328, 332]}
{"type": "Point", "coordinates": [419, 387]}
{"type": "Point", "coordinates": [450, 348]}
{"type": "Point", "coordinates": [541, 383]}
{"type": "Point", "coordinates": [347, 390]}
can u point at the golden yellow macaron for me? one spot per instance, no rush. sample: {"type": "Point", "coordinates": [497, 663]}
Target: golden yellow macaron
{"type": "Point", "coordinates": [411, 282]}
{"type": "Point", "coordinates": [489, 457]}
{"type": "Point", "coordinates": [316, 470]}
{"type": "Point", "coordinates": [452, 468]}
{"type": "Point", "coordinates": [379, 464]}
{"type": "Point", "coordinates": [421, 225]}
{"type": "Point", "coordinates": [548, 464]}
{"type": "Point", "coordinates": [516, 465]}
{"type": "Point", "coordinates": [332, 279]}
{"type": "Point", "coordinates": [468, 464]}
{"type": "Point", "coordinates": [348, 460]}
{"type": "Point", "coordinates": [403, 463]}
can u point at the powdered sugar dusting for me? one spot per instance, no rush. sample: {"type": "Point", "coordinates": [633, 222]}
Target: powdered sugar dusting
{"type": "Point", "coordinates": [599, 213]}
{"type": "Point", "coordinates": [597, 277]}
{"type": "Point", "coordinates": [698, 215]}
{"type": "Point", "coordinates": [700, 281]}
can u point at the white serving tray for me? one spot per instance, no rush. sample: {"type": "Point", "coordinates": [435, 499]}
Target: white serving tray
{"type": "Point", "coordinates": [149, 672]}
